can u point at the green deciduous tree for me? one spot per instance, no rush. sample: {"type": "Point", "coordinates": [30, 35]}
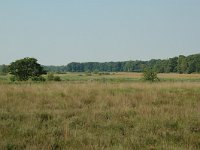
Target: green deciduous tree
{"type": "Point", "coordinates": [26, 68]}
{"type": "Point", "coordinates": [172, 64]}
{"type": "Point", "coordinates": [4, 69]}
{"type": "Point", "coordinates": [182, 64]}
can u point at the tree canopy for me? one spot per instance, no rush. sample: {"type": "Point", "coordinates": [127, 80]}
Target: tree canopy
{"type": "Point", "coordinates": [180, 64]}
{"type": "Point", "coordinates": [4, 69]}
{"type": "Point", "coordinates": [26, 68]}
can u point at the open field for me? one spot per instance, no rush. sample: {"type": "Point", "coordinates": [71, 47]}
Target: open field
{"type": "Point", "coordinates": [123, 77]}
{"type": "Point", "coordinates": [118, 111]}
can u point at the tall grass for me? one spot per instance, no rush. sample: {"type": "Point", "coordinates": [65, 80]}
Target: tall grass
{"type": "Point", "coordinates": [93, 115]}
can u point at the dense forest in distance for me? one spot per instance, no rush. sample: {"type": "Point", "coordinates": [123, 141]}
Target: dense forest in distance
{"type": "Point", "coordinates": [180, 64]}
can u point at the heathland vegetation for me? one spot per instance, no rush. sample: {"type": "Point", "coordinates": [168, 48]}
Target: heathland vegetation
{"type": "Point", "coordinates": [116, 111]}
{"type": "Point", "coordinates": [100, 110]}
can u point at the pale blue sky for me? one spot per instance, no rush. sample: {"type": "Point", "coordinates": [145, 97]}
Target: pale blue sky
{"type": "Point", "coordinates": [57, 32]}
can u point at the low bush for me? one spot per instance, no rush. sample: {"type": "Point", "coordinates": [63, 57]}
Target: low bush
{"type": "Point", "coordinates": [51, 77]}
{"type": "Point", "coordinates": [150, 75]}
{"type": "Point", "coordinates": [57, 78]}
{"type": "Point", "coordinates": [40, 78]}
{"type": "Point", "coordinates": [12, 78]}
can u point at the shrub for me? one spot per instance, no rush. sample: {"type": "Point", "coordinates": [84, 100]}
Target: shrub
{"type": "Point", "coordinates": [150, 75]}
{"type": "Point", "coordinates": [57, 78]}
{"type": "Point", "coordinates": [12, 78]}
{"type": "Point", "coordinates": [51, 77]}
{"type": "Point", "coordinates": [40, 78]}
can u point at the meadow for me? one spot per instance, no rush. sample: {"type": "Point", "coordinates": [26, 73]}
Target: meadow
{"type": "Point", "coordinates": [101, 111]}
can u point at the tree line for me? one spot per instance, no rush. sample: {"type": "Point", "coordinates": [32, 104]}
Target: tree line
{"type": "Point", "coordinates": [181, 64]}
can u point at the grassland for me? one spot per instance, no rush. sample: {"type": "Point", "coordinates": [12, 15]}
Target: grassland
{"type": "Point", "coordinates": [118, 111]}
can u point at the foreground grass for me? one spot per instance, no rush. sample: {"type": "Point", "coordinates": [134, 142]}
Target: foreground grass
{"type": "Point", "coordinates": [93, 115]}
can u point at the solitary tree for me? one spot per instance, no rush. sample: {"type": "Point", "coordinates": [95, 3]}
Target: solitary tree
{"type": "Point", "coordinates": [26, 68]}
{"type": "Point", "coordinates": [150, 75]}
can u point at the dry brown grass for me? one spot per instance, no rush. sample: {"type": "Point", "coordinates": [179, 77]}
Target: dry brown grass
{"type": "Point", "coordinates": [175, 75]}
{"type": "Point", "coordinates": [93, 115]}
{"type": "Point", "coordinates": [161, 75]}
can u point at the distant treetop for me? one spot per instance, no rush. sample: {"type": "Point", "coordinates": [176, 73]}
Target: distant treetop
{"type": "Point", "coordinates": [180, 64]}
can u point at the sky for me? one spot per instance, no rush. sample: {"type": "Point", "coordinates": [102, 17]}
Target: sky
{"type": "Point", "coordinates": [57, 32]}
